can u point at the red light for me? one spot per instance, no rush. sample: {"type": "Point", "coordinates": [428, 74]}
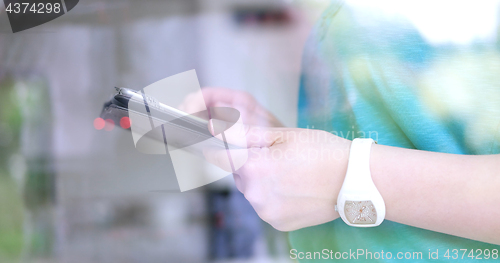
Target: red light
{"type": "Point", "coordinates": [110, 124]}
{"type": "Point", "coordinates": [99, 123]}
{"type": "Point", "coordinates": [125, 122]}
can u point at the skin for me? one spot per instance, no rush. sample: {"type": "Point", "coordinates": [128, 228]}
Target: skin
{"type": "Point", "coordinates": [292, 177]}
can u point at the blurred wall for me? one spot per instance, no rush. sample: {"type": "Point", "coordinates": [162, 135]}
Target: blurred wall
{"type": "Point", "coordinates": [104, 208]}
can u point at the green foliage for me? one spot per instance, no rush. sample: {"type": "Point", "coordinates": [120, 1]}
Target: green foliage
{"type": "Point", "coordinates": [11, 220]}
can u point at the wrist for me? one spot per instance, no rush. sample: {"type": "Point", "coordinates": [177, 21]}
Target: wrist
{"type": "Point", "coordinates": [386, 162]}
{"type": "Point", "coordinates": [342, 147]}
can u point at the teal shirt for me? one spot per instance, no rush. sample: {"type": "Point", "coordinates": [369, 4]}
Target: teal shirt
{"type": "Point", "coordinates": [384, 72]}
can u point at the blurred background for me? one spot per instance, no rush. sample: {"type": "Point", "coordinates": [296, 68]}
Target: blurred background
{"type": "Point", "coordinates": [71, 193]}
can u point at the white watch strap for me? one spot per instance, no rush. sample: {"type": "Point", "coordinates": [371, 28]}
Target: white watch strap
{"type": "Point", "coordinates": [358, 168]}
{"type": "Point", "coordinates": [359, 196]}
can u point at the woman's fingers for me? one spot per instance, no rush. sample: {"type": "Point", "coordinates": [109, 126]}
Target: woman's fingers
{"type": "Point", "coordinates": [227, 160]}
{"type": "Point", "coordinates": [227, 97]}
{"type": "Point", "coordinates": [216, 97]}
{"type": "Point", "coordinates": [246, 136]}
{"type": "Point", "coordinates": [193, 103]}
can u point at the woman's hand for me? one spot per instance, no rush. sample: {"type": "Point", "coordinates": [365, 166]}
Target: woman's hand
{"type": "Point", "coordinates": [291, 177]}
{"type": "Point", "coordinates": [252, 113]}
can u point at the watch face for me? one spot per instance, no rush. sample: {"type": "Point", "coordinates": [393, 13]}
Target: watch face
{"type": "Point", "coordinates": [360, 212]}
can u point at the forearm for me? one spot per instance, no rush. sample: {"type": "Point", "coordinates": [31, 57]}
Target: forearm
{"type": "Point", "coordinates": [453, 194]}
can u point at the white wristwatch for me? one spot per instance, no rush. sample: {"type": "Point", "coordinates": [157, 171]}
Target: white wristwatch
{"type": "Point", "coordinates": [359, 202]}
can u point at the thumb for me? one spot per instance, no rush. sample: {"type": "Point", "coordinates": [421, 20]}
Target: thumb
{"type": "Point", "coordinates": [242, 135]}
